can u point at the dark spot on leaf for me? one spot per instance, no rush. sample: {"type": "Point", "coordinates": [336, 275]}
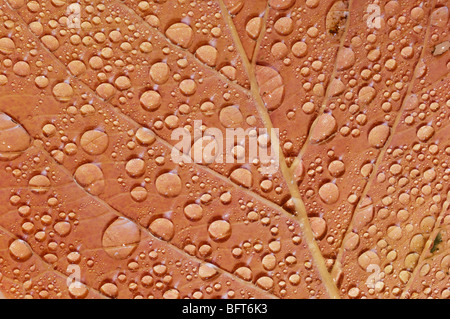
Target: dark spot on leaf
{"type": "Point", "coordinates": [436, 243]}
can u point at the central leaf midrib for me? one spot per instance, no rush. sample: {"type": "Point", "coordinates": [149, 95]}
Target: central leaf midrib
{"type": "Point", "coordinates": [302, 217]}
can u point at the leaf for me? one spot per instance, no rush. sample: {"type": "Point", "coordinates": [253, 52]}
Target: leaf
{"type": "Point", "coordinates": [95, 206]}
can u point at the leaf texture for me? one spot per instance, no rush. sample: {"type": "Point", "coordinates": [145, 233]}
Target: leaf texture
{"type": "Point", "coordinates": [94, 206]}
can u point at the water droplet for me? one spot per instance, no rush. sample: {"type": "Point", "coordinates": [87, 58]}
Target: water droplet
{"type": "Point", "coordinates": [254, 27]}
{"type": "Point", "coordinates": [20, 250]}
{"type": "Point", "coordinates": [151, 100]}
{"type": "Point", "coordinates": [417, 243]}
{"type": "Point", "coordinates": [394, 232]}
{"type": "Point", "coordinates": [329, 193]}
{"type": "Point", "coordinates": [207, 54]}
{"type": "Point", "coordinates": [145, 136]}
{"type": "Point", "coordinates": [94, 142]}
{"type": "Point", "coordinates": [368, 258]}
{"type": "Point", "coordinates": [425, 133]}
{"type": "Point", "coordinates": [7, 46]}
{"type": "Point", "coordinates": [14, 140]}
{"type": "Point", "coordinates": [244, 273]}
{"type": "Point", "coordinates": [139, 194]}
{"type": "Point", "coordinates": [318, 226]}
{"type": "Point", "coordinates": [110, 290]}
{"type": "Point", "coordinates": [407, 52]}
{"type": "Point", "coordinates": [78, 290]}
{"type": "Point", "coordinates": [63, 92]}
{"type": "Point", "coordinates": [180, 34]}
{"type": "Point", "coordinates": [299, 49]}
{"type": "Point", "coordinates": [160, 72]}
{"type": "Point", "coordinates": [123, 83]}
{"type": "Point", "coordinates": [207, 272]}
{"type": "Point", "coordinates": [366, 94]}
{"type": "Point", "coordinates": [219, 230]}
{"type": "Point", "coordinates": [351, 241]}
{"type": "Point", "coordinates": [379, 135]}
{"type": "Point", "coordinates": [336, 168]}
{"type": "Point", "coordinates": [231, 117]}
{"type": "Point", "coordinates": [324, 128]}
{"type": "Point", "coordinates": [417, 13]}
{"type": "Point", "coordinates": [188, 87]}
{"type": "Point", "coordinates": [135, 167]}
{"type": "Point", "coordinates": [22, 68]}
{"type": "Point", "coordinates": [284, 26]}
{"type": "Point", "coordinates": [39, 184]}
{"type": "Point", "coordinates": [439, 17]}
{"type": "Point", "coordinates": [271, 86]}
{"type": "Point", "coordinates": [63, 228]}
{"type": "Point", "coordinates": [106, 91]}
{"type": "Point", "coordinates": [269, 262]}
{"type": "Point", "coordinates": [168, 185]}
{"type": "Point", "coordinates": [171, 294]}
{"type": "Point", "coordinates": [50, 42]}
{"type": "Point", "coordinates": [336, 18]}
{"type": "Point", "coordinates": [265, 282]}
{"type": "Point", "coordinates": [234, 6]}
{"type": "Point", "coordinates": [242, 177]}
{"type": "Point", "coordinates": [121, 238]}
{"type": "Point", "coordinates": [77, 67]}
{"type": "Point", "coordinates": [279, 50]}
{"type": "Point", "coordinates": [193, 212]}
{"type": "Point", "coordinates": [363, 214]}
{"type": "Point", "coordinates": [91, 178]}
{"type": "Point", "coordinates": [345, 59]}
{"type": "Point", "coordinates": [281, 4]}
{"type": "Point", "coordinates": [162, 228]}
